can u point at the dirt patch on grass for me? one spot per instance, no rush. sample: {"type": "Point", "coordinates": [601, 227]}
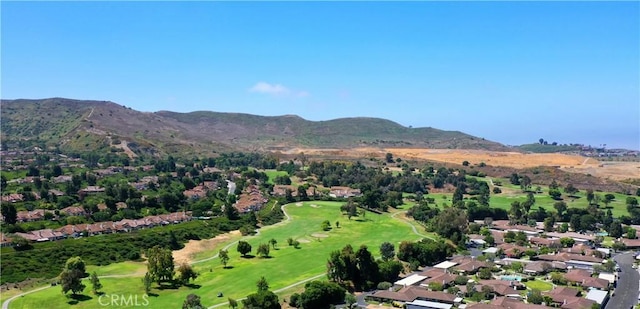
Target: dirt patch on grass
{"type": "Point", "coordinates": [314, 205]}
{"type": "Point", "coordinates": [298, 204]}
{"type": "Point", "coordinates": [319, 235]}
{"type": "Point", "coordinates": [185, 255]}
{"type": "Point", "coordinates": [303, 241]}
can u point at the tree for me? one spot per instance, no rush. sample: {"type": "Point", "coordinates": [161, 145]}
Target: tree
{"type": "Point", "coordinates": [615, 229]}
{"type": "Point", "coordinates": [555, 194]}
{"type": "Point", "coordinates": [631, 233]}
{"type": "Point", "coordinates": [350, 300]}
{"type": "Point", "coordinates": [243, 247]}
{"type": "Point", "coordinates": [325, 225]}
{"type": "Point", "coordinates": [535, 297]}
{"type": "Point", "coordinates": [484, 273]}
{"type": "Point", "coordinates": [590, 196]}
{"type": "Point", "coordinates": [146, 282]}
{"type": "Point", "coordinates": [95, 283]}
{"type": "Point", "coordinates": [548, 224]}
{"type": "Point", "coordinates": [570, 190]}
{"type": "Point", "coordinates": [389, 157]}
{"type": "Point", "coordinates": [560, 207]}
{"type": "Point", "coordinates": [262, 284]}
{"type": "Point", "coordinates": [224, 257]}
{"type": "Point", "coordinates": [632, 201]}
{"type": "Point", "coordinates": [263, 298]}
{"type": "Point", "coordinates": [321, 295]}
{"type": "Point", "coordinates": [525, 183]}
{"type": "Point", "coordinates": [451, 223]}
{"type": "Point", "coordinates": [567, 242]}
{"type": "Point", "coordinates": [273, 242]}
{"type": "Point", "coordinates": [389, 270]}
{"type": "Point", "coordinates": [387, 251]}
{"type": "Point", "coordinates": [192, 302]}
{"type": "Point", "coordinates": [9, 213]}
{"type": "Point", "coordinates": [160, 264]}
{"type": "Point", "coordinates": [514, 179]}
{"type": "Point", "coordinates": [263, 250]}
{"type": "Point", "coordinates": [233, 303]}
{"type": "Point", "coordinates": [186, 273]}
{"type": "Point", "coordinates": [71, 275]}
{"type": "Point", "coordinates": [368, 271]}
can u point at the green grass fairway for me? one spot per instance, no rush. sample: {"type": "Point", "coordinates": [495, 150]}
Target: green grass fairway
{"type": "Point", "coordinates": [286, 266]}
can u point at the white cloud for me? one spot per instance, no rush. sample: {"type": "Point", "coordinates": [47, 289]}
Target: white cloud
{"type": "Point", "coordinates": [277, 90]}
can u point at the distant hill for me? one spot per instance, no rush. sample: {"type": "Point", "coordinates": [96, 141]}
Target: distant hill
{"type": "Point", "coordinates": [90, 125]}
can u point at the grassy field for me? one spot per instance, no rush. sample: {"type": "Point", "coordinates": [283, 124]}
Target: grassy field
{"type": "Point", "coordinates": [272, 174]}
{"type": "Point", "coordinates": [286, 266]}
{"type": "Point", "coordinates": [539, 284]}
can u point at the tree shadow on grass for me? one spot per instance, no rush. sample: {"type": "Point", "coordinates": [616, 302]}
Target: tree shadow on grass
{"type": "Point", "coordinates": [152, 294]}
{"type": "Point", "coordinates": [228, 267]}
{"type": "Point", "coordinates": [77, 298]}
{"type": "Point", "coordinates": [248, 256]}
{"type": "Point", "coordinates": [168, 286]}
{"type": "Point", "coordinates": [193, 286]}
{"type": "Point", "coordinates": [266, 257]}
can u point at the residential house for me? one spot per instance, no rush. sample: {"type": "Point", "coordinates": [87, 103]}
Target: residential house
{"type": "Point", "coordinates": [467, 265]}
{"type": "Point", "coordinates": [5, 241]}
{"type": "Point", "coordinates": [344, 192]}
{"type": "Point", "coordinates": [62, 178]}
{"type": "Point", "coordinates": [33, 215]}
{"type": "Point", "coordinates": [74, 211]}
{"type": "Point", "coordinates": [12, 198]}
{"type": "Point", "coordinates": [543, 267]}
{"type": "Point", "coordinates": [505, 303]}
{"type": "Point", "coordinates": [583, 278]}
{"type": "Point", "coordinates": [56, 192]}
{"type": "Point", "coordinates": [411, 293]}
{"type": "Point", "coordinates": [250, 200]}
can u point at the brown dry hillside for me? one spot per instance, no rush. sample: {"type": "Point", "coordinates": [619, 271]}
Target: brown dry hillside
{"type": "Point", "coordinates": [515, 160]}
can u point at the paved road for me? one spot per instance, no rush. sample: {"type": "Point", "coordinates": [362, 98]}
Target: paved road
{"type": "Point", "coordinates": [626, 292]}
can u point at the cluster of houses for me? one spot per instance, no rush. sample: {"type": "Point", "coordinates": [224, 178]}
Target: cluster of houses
{"type": "Point", "coordinates": [92, 229]}
{"type": "Point", "coordinates": [577, 264]}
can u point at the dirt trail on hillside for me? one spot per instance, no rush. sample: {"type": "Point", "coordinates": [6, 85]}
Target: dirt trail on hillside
{"type": "Point", "coordinates": [185, 255]}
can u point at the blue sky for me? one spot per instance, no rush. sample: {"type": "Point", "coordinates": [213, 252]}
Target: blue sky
{"type": "Point", "coordinates": [511, 72]}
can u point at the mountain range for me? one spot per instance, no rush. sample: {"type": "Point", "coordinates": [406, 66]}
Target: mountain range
{"type": "Point", "coordinates": [83, 125]}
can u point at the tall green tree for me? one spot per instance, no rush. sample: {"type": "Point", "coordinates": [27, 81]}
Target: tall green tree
{"type": "Point", "coordinates": [160, 264]}
{"type": "Point", "coordinates": [146, 282]}
{"type": "Point", "coordinates": [224, 257]}
{"type": "Point", "coordinates": [9, 213]}
{"type": "Point", "coordinates": [186, 273]}
{"type": "Point", "coordinates": [193, 301]}
{"type": "Point", "coordinates": [243, 247]}
{"type": "Point", "coordinates": [263, 250]}
{"type": "Point", "coordinates": [95, 283]}
{"type": "Point", "coordinates": [263, 298]}
{"type": "Point", "coordinates": [387, 251]}
{"type": "Point", "coordinates": [72, 274]}
{"type": "Point", "coordinates": [321, 295]}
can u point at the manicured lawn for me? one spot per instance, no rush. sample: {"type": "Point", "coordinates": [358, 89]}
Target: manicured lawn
{"type": "Point", "coordinates": [286, 266]}
{"type": "Point", "coordinates": [540, 285]}
{"type": "Point", "coordinates": [122, 268]}
{"type": "Point", "coordinates": [272, 174]}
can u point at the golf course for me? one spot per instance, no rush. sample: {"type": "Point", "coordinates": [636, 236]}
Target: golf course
{"type": "Point", "coordinates": [285, 268]}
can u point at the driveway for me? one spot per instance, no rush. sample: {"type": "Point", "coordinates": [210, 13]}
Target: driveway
{"type": "Point", "coordinates": [626, 292]}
